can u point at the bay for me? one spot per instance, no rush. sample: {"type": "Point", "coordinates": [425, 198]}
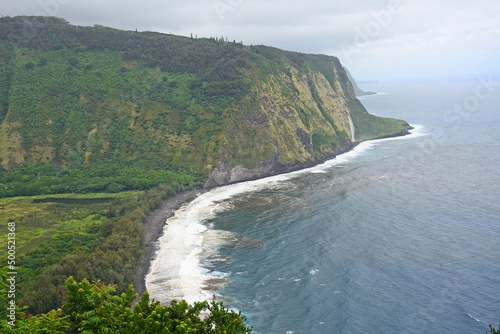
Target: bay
{"type": "Point", "coordinates": [399, 235]}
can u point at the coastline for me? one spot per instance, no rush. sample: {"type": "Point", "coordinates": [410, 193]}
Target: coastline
{"type": "Point", "coordinates": [155, 222]}
{"type": "Point", "coordinates": [153, 225]}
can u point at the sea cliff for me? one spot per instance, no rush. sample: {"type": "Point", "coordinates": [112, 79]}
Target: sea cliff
{"type": "Point", "coordinates": [302, 114]}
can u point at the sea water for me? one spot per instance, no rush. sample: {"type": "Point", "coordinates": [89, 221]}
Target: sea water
{"type": "Point", "coordinates": [398, 235]}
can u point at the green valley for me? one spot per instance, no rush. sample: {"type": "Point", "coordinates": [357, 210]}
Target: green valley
{"type": "Point", "coordinates": [131, 118]}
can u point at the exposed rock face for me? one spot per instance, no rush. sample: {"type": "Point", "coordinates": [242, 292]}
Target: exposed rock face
{"type": "Point", "coordinates": [295, 119]}
{"type": "Point", "coordinates": [224, 174]}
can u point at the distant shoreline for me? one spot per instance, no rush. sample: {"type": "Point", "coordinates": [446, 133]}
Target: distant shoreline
{"type": "Point", "coordinates": [365, 93]}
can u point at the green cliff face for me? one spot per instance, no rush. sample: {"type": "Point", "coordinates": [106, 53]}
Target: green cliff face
{"type": "Point", "coordinates": [97, 109]}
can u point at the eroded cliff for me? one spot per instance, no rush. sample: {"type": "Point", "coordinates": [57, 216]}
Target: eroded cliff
{"type": "Point", "coordinates": [301, 114]}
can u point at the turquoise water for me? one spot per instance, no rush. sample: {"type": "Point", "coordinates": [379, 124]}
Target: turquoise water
{"type": "Point", "coordinates": [397, 236]}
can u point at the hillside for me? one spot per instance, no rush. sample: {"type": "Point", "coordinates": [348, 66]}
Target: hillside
{"type": "Point", "coordinates": [90, 109]}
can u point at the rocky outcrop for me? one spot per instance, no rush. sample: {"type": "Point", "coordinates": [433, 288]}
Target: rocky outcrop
{"type": "Point", "coordinates": [223, 174]}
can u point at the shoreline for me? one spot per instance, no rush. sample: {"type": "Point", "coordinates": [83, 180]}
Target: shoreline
{"type": "Point", "coordinates": [153, 225]}
{"type": "Point", "coordinates": [155, 222]}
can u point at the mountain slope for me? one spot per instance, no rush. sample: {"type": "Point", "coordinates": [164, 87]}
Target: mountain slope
{"type": "Point", "coordinates": [97, 109]}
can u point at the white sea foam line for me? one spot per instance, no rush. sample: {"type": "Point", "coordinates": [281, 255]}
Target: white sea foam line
{"type": "Point", "coordinates": [176, 272]}
{"type": "Point", "coordinates": [417, 131]}
{"type": "Point", "coordinates": [319, 171]}
{"type": "Point", "coordinates": [341, 158]}
{"type": "Point", "coordinates": [364, 97]}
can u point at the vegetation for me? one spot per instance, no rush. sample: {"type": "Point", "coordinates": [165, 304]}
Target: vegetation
{"type": "Point", "coordinates": [94, 308]}
{"type": "Point", "coordinates": [100, 240]}
{"type": "Point", "coordinates": [369, 126]}
{"type": "Point", "coordinates": [493, 330]}
{"type": "Point", "coordinates": [88, 111]}
{"type": "Point", "coordinates": [49, 178]}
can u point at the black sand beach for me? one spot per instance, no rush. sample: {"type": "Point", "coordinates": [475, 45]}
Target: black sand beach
{"type": "Point", "coordinates": [154, 224]}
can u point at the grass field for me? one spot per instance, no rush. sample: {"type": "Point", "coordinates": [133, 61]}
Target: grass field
{"type": "Point", "coordinates": [47, 229]}
{"type": "Point", "coordinates": [37, 223]}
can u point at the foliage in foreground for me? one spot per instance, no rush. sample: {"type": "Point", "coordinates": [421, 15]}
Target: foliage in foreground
{"type": "Point", "coordinates": [493, 330]}
{"type": "Point", "coordinates": [91, 308]}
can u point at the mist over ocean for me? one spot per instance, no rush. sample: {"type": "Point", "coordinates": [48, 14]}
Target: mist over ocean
{"type": "Point", "coordinates": [397, 236]}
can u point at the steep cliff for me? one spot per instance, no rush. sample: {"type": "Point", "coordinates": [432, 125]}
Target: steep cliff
{"type": "Point", "coordinates": [97, 109]}
{"type": "Point", "coordinates": [302, 112]}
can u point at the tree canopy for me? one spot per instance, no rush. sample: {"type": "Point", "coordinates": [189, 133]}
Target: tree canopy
{"type": "Point", "coordinates": [93, 308]}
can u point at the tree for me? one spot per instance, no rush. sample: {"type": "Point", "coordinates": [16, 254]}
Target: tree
{"type": "Point", "coordinates": [92, 308]}
{"type": "Point", "coordinates": [493, 330]}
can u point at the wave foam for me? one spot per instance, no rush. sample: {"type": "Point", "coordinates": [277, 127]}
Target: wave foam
{"type": "Point", "coordinates": [474, 318]}
{"type": "Point", "coordinates": [177, 272]}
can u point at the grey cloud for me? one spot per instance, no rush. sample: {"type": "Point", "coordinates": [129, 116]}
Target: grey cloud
{"type": "Point", "coordinates": [418, 40]}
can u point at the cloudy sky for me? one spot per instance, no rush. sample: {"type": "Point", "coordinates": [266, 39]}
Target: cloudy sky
{"type": "Point", "coordinates": [375, 39]}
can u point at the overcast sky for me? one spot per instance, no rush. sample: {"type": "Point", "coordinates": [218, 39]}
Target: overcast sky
{"type": "Point", "coordinates": [375, 39]}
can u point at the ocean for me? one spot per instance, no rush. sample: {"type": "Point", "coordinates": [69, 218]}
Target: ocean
{"type": "Point", "coordinates": [400, 235]}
